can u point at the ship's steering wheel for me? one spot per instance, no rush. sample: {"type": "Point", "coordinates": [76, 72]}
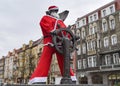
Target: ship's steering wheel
{"type": "Point", "coordinates": [58, 36]}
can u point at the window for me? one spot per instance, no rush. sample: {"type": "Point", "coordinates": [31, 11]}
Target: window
{"type": "Point", "coordinates": [104, 12]}
{"type": "Point", "coordinates": [111, 9]}
{"type": "Point", "coordinates": [93, 45]}
{"type": "Point", "coordinates": [92, 61]}
{"type": "Point", "coordinates": [95, 29]}
{"type": "Point", "coordinates": [88, 46]}
{"type": "Point", "coordinates": [116, 58]}
{"type": "Point", "coordinates": [79, 50]}
{"type": "Point", "coordinates": [84, 63]}
{"type": "Point", "coordinates": [79, 64]}
{"type": "Point", "coordinates": [77, 24]}
{"type": "Point", "coordinates": [106, 42]}
{"type": "Point", "coordinates": [90, 31]}
{"type": "Point", "coordinates": [83, 22]}
{"type": "Point", "coordinates": [95, 17]}
{"type": "Point", "coordinates": [98, 43]}
{"type": "Point", "coordinates": [114, 39]}
{"type": "Point", "coordinates": [89, 62]}
{"type": "Point", "coordinates": [84, 48]}
{"type": "Point", "coordinates": [112, 23]}
{"type": "Point", "coordinates": [104, 26]}
{"type": "Point", "coordinates": [83, 33]}
{"type": "Point", "coordinates": [91, 19]}
{"type": "Point", "coordinates": [107, 59]}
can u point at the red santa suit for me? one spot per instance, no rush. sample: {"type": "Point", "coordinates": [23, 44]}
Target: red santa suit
{"type": "Point", "coordinates": [48, 24]}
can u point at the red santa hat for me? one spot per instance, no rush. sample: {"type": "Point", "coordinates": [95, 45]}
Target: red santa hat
{"type": "Point", "coordinates": [53, 8]}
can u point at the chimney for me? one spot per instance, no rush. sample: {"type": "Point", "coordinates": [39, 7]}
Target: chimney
{"type": "Point", "coordinates": [117, 2]}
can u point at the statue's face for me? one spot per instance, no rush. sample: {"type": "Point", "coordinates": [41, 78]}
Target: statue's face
{"type": "Point", "coordinates": [54, 13]}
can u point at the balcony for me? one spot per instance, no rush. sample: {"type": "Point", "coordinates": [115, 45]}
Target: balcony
{"type": "Point", "coordinates": [110, 49]}
{"type": "Point", "coordinates": [89, 37]}
{"type": "Point", "coordinates": [110, 67]}
{"type": "Point", "coordinates": [91, 52]}
{"type": "Point", "coordinates": [89, 69]}
{"type": "Point", "coordinates": [102, 68]}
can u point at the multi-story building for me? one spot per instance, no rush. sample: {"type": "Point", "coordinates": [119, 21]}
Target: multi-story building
{"type": "Point", "coordinates": [32, 54]}
{"type": "Point", "coordinates": [20, 64]}
{"type": "Point", "coordinates": [2, 63]}
{"type": "Point", "coordinates": [98, 55]}
{"type": "Point", "coordinates": [15, 66]}
{"type": "Point", "coordinates": [8, 68]}
{"type": "Point", "coordinates": [28, 57]}
{"type": "Point", "coordinates": [37, 49]}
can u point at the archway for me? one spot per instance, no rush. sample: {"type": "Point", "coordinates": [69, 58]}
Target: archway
{"type": "Point", "coordinates": [83, 80]}
{"type": "Point", "coordinates": [97, 79]}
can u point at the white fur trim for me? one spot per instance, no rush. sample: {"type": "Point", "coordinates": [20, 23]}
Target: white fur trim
{"type": "Point", "coordinates": [54, 17]}
{"type": "Point", "coordinates": [53, 9]}
{"type": "Point", "coordinates": [51, 44]}
{"type": "Point", "coordinates": [55, 26]}
{"type": "Point", "coordinates": [73, 78]}
{"type": "Point", "coordinates": [37, 79]}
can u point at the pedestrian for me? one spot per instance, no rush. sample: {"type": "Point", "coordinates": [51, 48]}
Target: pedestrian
{"type": "Point", "coordinates": [49, 23]}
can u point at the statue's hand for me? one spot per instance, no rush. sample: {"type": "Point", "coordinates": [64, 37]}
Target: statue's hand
{"type": "Point", "coordinates": [53, 33]}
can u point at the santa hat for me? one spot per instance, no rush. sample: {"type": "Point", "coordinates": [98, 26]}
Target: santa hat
{"type": "Point", "coordinates": [53, 8]}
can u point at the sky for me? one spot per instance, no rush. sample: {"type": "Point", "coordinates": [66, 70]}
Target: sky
{"type": "Point", "coordinates": [19, 19]}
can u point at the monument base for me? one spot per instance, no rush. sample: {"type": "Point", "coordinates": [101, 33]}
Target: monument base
{"type": "Point", "coordinates": [66, 80]}
{"type": "Point", "coordinates": [57, 85]}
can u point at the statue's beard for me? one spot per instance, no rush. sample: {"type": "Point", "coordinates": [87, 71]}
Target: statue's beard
{"type": "Point", "coordinates": [54, 14]}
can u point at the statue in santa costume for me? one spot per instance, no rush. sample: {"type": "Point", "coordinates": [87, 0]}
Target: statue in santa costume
{"type": "Point", "coordinates": [49, 23]}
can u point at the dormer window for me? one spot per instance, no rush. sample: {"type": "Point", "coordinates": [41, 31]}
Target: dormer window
{"type": "Point", "coordinates": [104, 12]}
{"type": "Point", "coordinates": [83, 22]}
{"type": "Point", "coordinates": [111, 9]}
{"type": "Point", "coordinates": [91, 18]}
{"type": "Point", "coordinates": [95, 17]}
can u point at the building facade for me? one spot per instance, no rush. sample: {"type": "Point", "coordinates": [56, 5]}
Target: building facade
{"type": "Point", "coordinates": [2, 63]}
{"type": "Point", "coordinates": [19, 64]}
{"type": "Point", "coordinates": [28, 57]}
{"type": "Point", "coordinates": [8, 68]}
{"type": "Point", "coordinates": [15, 66]}
{"type": "Point", "coordinates": [98, 55]}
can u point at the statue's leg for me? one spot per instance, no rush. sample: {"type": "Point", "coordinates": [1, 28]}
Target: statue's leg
{"type": "Point", "coordinates": [60, 62]}
{"type": "Point", "coordinates": [41, 71]}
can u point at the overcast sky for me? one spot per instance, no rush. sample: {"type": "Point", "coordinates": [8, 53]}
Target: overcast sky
{"type": "Point", "coordinates": [19, 19]}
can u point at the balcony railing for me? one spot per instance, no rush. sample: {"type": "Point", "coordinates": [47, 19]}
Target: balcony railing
{"type": "Point", "coordinates": [112, 66]}
{"type": "Point", "coordinates": [101, 68]}
{"type": "Point", "coordinates": [93, 36]}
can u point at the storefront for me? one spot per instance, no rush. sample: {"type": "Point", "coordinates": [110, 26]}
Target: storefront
{"type": "Point", "coordinates": [114, 79]}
